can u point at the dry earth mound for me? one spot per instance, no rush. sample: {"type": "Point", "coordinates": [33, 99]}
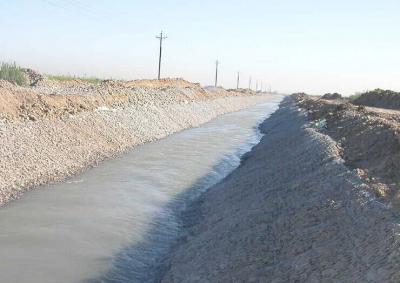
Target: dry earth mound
{"type": "Point", "coordinates": [54, 99]}
{"type": "Point", "coordinates": [369, 140]}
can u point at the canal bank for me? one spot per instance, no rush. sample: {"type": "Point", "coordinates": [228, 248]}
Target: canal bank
{"type": "Point", "coordinates": [54, 130]}
{"type": "Point", "coordinates": [291, 212]}
{"type": "Point", "coordinates": [118, 220]}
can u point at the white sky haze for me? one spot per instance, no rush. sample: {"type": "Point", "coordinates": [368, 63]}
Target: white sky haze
{"type": "Point", "coordinates": [311, 46]}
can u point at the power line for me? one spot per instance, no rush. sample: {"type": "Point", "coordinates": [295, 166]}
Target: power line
{"type": "Point", "coordinates": [161, 37]}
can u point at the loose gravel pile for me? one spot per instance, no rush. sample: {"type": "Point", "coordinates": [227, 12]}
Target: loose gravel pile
{"type": "Point", "coordinates": [47, 137]}
{"type": "Point", "coordinates": [292, 212]}
{"type": "Point", "coordinates": [50, 99]}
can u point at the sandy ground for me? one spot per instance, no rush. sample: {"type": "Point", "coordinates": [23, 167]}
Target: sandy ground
{"type": "Point", "coordinates": [292, 212]}
{"type": "Point", "coordinates": [51, 131]}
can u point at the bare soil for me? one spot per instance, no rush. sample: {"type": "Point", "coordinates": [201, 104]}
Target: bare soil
{"type": "Point", "coordinates": [369, 139]}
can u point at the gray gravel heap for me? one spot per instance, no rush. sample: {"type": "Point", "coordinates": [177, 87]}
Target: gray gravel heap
{"type": "Point", "coordinates": [292, 212]}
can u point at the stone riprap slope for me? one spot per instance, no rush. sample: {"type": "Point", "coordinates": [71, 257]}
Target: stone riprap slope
{"type": "Point", "coordinates": [48, 134]}
{"type": "Point", "coordinates": [292, 212]}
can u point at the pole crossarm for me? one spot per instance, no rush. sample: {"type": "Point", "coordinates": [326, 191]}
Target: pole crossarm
{"type": "Point", "coordinates": [161, 37]}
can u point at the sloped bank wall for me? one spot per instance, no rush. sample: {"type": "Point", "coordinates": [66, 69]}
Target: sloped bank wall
{"type": "Point", "coordinates": [44, 151]}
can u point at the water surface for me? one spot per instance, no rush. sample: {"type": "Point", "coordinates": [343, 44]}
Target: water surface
{"type": "Point", "coordinates": [114, 222]}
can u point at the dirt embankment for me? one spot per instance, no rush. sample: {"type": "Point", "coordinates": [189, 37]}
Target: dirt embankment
{"type": "Point", "coordinates": [53, 130]}
{"type": "Point", "coordinates": [292, 212]}
{"type": "Point", "coordinates": [369, 139]}
{"type": "Point", "coordinates": [49, 99]}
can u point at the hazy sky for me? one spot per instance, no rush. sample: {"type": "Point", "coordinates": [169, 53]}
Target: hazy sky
{"type": "Point", "coordinates": [294, 45]}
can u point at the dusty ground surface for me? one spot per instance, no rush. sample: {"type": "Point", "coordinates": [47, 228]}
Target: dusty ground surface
{"type": "Point", "coordinates": [292, 212]}
{"type": "Point", "coordinates": [369, 139]}
{"type": "Point", "coordinates": [52, 130]}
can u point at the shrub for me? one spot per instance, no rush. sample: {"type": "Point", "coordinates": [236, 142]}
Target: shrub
{"type": "Point", "coordinates": [332, 96]}
{"type": "Point", "coordinates": [12, 73]}
{"type": "Point", "coordinates": [64, 78]}
{"type": "Point", "coordinates": [355, 96]}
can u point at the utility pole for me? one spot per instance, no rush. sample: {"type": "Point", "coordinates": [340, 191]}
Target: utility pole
{"type": "Point", "coordinates": [250, 83]}
{"type": "Point", "coordinates": [256, 85]}
{"type": "Point", "coordinates": [216, 73]}
{"type": "Point", "coordinates": [161, 38]}
{"type": "Point", "coordinates": [261, 86]}
{"type": "Point", "coordinates": [238, 80]}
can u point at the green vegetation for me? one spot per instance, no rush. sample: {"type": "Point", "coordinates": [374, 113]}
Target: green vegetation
{"type": "Point", "coordinates": [377, 92]}
{"type": "Point", "coordinates": [64, 78]}
{"type": "Point", "coordinates": [355, 96]}
{"type": "Point", "coordinates": [12, 73]}
{"type": "Point", "coordinates": [384, 92]}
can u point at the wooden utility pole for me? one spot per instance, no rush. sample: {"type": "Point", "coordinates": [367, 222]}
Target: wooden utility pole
{"type": "Point", "coordinates": [216, 73]}
{"type": "Point", "coordinates": [250, 83]}
{"type": "Point", "coordinates": [238, 80]}
{"type": "Point", "coordinates": [161, 37]}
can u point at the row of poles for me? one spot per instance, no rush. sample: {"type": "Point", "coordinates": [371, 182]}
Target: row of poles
{"type": "Point", "coordinates": [260, 86]}
{"type": "Point", "coordinates": [162, 37]}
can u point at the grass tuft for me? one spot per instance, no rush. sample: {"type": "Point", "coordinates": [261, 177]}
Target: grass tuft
{"type": "Point", "coordinates": [63, 78]}
{"type": "Point", "coordinates": [12, 73]}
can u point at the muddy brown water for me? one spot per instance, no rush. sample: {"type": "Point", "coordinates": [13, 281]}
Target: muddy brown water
{"type": "Point", "coordinates": [115, 222]}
